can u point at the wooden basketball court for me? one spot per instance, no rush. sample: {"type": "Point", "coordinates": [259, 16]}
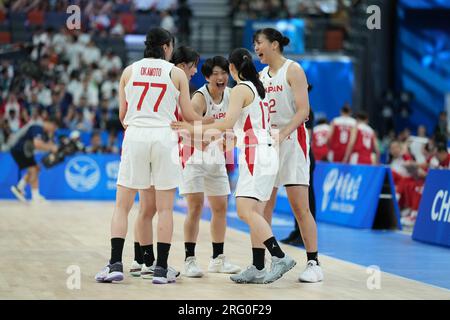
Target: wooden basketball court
{"type": "Point", "coordinates": [40, 243]}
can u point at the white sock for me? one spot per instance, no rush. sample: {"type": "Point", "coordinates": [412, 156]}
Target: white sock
{"type": "Point", "coordinates": [22, 184]}
{"type": "Point", "coordinates": [35, 193]}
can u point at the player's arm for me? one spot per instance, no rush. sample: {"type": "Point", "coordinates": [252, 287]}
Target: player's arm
{"type": "Point", "coordinates": [181, 83]}
{"type": "Point", "coordinates": [297, 80]}
{"type": "Point", "coordinates": [126, 75]}
{"type": "Point", "coordinates": [239, 97]}
{"type": "Point", "coordinates": [351, 144]}
{"type": "Point", "coordinates": [199, 103]}
{"type": "Point", "coordinates": [376, 148]}
{"type": "Point", "coordinates": [39, 144]}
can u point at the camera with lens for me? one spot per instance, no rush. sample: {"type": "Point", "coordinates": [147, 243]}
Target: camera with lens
{"type": "Point", "coordinates": [67, 146]}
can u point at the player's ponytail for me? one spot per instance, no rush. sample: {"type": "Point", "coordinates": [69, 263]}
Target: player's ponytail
{"type": "Point", "coordinates": [242, 60]}
{"type": "Point", "coordinates": [156, 38]}
{"type": "Point", "coordinates": [273, 35]}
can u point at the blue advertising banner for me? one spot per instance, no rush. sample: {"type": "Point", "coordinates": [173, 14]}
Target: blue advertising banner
{"type": "Point", "coordinates": [294, 29]}
{"type": "Point", "coordinates": [433, 219]}
{"type": "Point", "coordinates": [9, 175]}
{"type": "Point", "coordinates": [80, 177]}
{"type": "Point", "coordinates": [348, 194]}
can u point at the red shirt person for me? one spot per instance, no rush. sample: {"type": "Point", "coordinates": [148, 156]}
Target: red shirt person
{"type": "Point", "coordinates": [362, 143]}
{"type": "Point", "coordinates": [340, 131]}
{"type": "Point", "coordinates": [320, 135]}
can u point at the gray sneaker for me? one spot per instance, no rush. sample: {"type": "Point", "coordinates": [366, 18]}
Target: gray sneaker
{"type": "Point", "coordinates": [279, 267]}
{"type": "Point", "coordinates": [249, 275]}
{"type": "Point", "coordinates": [147, 272]}
{"type": "Point", "coordinates": [163, 276]}
{"type": "Point", "coordinates": [110, 273]}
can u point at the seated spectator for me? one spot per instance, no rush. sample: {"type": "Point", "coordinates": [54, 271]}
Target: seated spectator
{"type": "Point", "coordinates": [110, 62]}
{"type": "Point", "coordinates": [90, 54]}
{"type": "Point", "coordinates": [442, 158]}
{"type": "Point", "coordinates": [145, 6]}
{"type": "Point", "coordinates": [167, 22]}
{"type": "Point", "coordinates": [96, 144]}
{"type": "Point", "coordinates": [417, 144]}
{"type": "Point", "coordinates": [111, 146]}
{"type": "Point", "coordinates": [12, 111]}
{"type": "Point", "coordinates": [409, 179]}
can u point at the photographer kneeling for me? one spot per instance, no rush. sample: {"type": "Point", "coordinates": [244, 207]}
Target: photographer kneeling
{"type": "Point", "coordinates": [33, 136]}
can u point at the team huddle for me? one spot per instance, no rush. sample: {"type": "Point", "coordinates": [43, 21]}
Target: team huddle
{"type": "Point", "coordinates": [175, 141]}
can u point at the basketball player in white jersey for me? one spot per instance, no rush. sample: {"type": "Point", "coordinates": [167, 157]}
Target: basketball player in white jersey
{"type": "Point", "coordinates": [144, 262]}
{"type": "Point", "coordinates": [149, 92]}
{"type": "Point", "coordinates": [258, 162]}
{"type": "Point", "coordinates": [287, 98]}
{"type": "Point", "coordinates": [204, 173]}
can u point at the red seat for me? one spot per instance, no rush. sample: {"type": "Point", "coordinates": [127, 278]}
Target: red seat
{"type": "Point", "coordinates": [334, 39]}
{"type": "Point", "coordinates": [128, 22]}
{"type": "Point", "coordinates": [2, 16]}
{"type": "Point", "coordinates": [36, 18]}
{"type": "Point", "coordinates": [5, 37]}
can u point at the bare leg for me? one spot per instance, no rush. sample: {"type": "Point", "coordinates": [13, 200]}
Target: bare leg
{"type": "Point", "coordinates": [298, 199]}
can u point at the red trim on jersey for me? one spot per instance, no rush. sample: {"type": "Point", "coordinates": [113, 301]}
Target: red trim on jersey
{"type": "Point", "coordinates": [301, 138]}
{"type": "Point", "coordinates": [184, 152]}
{"type": "Point", "coordinates": [249, 140]}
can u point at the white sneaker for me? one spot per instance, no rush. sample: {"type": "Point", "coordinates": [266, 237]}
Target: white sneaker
{"type": "Point", "coordinates": [18, 193]}
{"type": "Point", "coordinates": [221, 265]}
{"type": "Point", "coordinates": [408, 221]}
{"type": "Point", "coordinates": [147, 272]}
{"type": "Point", "coordinates": [163, 276]}
{"type": "Point", "coordinates": [405, 212]}
{"type": "Point", "coordinates": [250, 275]}
{"type": "Point", "coordinates": [312, 273]}
{"type": "Point", "coordinates": [191, 268]}
{"type": "Point", "coordinates": [110, 273]}
{"type": "Point", "coordinates": [135, 269]}
{"type": "Point", "coordinates": [38, 198]}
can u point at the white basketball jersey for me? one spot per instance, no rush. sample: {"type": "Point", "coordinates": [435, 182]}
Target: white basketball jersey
{"type": "Point", "coordinates": [213, 152]}
{"type": "Point", "coordinates": [151, 96]}
{"type": "Point", "coordinates": [279, 96]}
{"type": "Point", "coordinates": [217, 111]}
{"type": "Point", "coordinates": [252, 126]}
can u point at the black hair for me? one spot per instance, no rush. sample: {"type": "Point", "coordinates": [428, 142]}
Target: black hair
{"type": "Point", "coordinates": [273, 35]}
{"type": "Point", "coordinates": [441, 147]}
{"type": "Point", "coordinates": [217, 61]}
{"type": "Point", "coordinates": [156, 38]}
{"type": "Point", "coordinates": [186, 55]}
{"type": "Point", "coordinates": [322, 121]}
{"type": "Point", "coordinates": [362, 116]}
{"type": "Point", "coordinates": [346, 109]}
{"type": "Point", "coordinates": [242, 60]}
{"type": "Point", "coordinates": [52, 119]}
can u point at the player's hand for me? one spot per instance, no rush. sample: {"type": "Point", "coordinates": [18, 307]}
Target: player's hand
{"type": "Point", "coordinates": [208, 120]}
{"type": "Point", "coordinates": [181, 125]}
{"type": "Point", "coordinates": [278, 137]}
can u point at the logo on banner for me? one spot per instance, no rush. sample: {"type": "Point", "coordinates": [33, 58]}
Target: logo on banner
{"type": "Point", "coordinates": [82, 174]}
{"type": "Point", "coordinates": [440, 210]}
{"type": "Point", "coordinates": [340, 190]}
{"type": "Point", "coordinates": [112, 171]}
